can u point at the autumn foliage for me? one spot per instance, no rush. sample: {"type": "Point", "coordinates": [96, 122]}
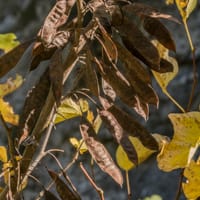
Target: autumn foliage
{"type": "Point", "coordinates": [112, 50]}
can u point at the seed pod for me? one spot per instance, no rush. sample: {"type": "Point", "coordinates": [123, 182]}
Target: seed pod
{"type": "Point", "coordinates": [100, 154]}
{"type": "Point", "coordinates": [133, 128]}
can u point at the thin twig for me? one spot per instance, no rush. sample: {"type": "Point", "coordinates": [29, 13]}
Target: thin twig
{"type": "Point", "coordinates": [42, 152]}
{"type": "Point", "coordinates": [98, 189]}
{"type": "Point", "coordinates": [128, 186]}
{"type": "Point", "coordinates": [194, 84]}
{"type": "Point", "coordinates": [75, 157]}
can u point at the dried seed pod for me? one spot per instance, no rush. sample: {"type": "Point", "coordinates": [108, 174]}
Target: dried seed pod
{"type": "Point", "coordinates": [10, 59]}
{"type": "Point", "coordinates": [56, 74]}
{"type": "Point", "coordinates": [119, 83]}
{"type": "Point", "coordinates": [100, 154]}
{"type": "Point", "coordinates": [159, 31]}
{"type": "Point", "coordinates": [34, 103]}
{"type": "Point", "coordinates": [135, 40]}
{"type": "Point", "coordinates": [119, 134]}
{"type": "Point", "coordinates": [133, 128]}
{"type": "Point", "coordinates": [64, 191]}
{"type": "Point", "coordinates": [56, 18]}
{"type": "Point", "coordinates": [91, 76]}
{"type": "Point", "coordinates": [132, 63]}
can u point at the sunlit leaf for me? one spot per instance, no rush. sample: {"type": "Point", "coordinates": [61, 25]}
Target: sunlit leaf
{"type": "Point", "coordinates": [142, 152]}
{"type": "Point", "coordinates": [8, 41]}
{"type": "Point", "coordinates": [70, 109]}
{"type": "Point", "coordinates": [192, 186]}
{"type": "Point", "coordinates": [169, 2]}
{"type": "Point", "coordinates": [10, 85]}
{"type": "Point", "coordinates": [190, 7]}
{"type": "Point", "coordinates": [164, 79]}
{"type": "Point", "coordinates": [153, 197]}
{"type": "Point", "coordinates": [78, 144]}
{"type": "Point", "coordinates": [97, 123]}
{"type": "Point", "coordinates": [178, 153]}
{"type": "Point", "coordinates": [3, 154]}
{"type": "Point", "coordinates": [8, 113]}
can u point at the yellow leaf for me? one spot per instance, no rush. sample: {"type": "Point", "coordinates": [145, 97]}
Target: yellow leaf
{"type": "Point", "coordinates": [1, 190]}
{"type": "Point", "coordinates": [178, 153]}
{"type": "Point", "coordinates": [181, 5]}
{"type": "Point", "coordinates": [169, 2]}
{"type": "Point", "coordinates": [90, 116]}
{"type": "Point", "coordinates": [8, 41]}
{"type": "Point", "coordinates": [10, 85]}
{"type": "Point", "coordinates": [97, 123]}
{"type": "Point", "coordinates": [163, 79]}
{"type": "Point", "coordinates": [190, 7]}
{"type": "Point", "coordinates": [7, 113]}
{"type": "Point", "coordinates": [142, 152]}
{"type": "Point", "coordinates": [3, 154]}
{"type": "Point", "coordinates": [70, 109]}
{"type": "Point", "coordinates": [78, 144]}
{"type": "Point", "coordinates": [153, 197]}
{"type": "Point", "coordinates": [192, 186]}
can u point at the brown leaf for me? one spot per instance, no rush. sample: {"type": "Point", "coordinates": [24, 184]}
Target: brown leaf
{"type": "Point", "coordinates": [118, 133]}
{"type": "Point", "coordinates": [143, 90]}
{"type": "Point", "coordinates": [145, 10]}
{"type": "Point", "coordinates": [10, 59]}
{"type": "Point", "coordinates": [100, 154]}
{"type": "Point", "coordinates": [136, 42]}
{"type": "Point", "coordinates": [91, 75]}
{"type": "Point", "coordinates": [142, 108]}
{"type": "Point", "coordinates": [34, 102]}
{"type": "Point", "coordinates": [119, 83]}
{"type": "Point", "coordinates": [49, 195]}
{"type": "Point", "coordinates": [159, 31]}
{"type": "Point", "coordinates": [39, 53]}
{"type": "Point", "coordinates": [107, 44]}
{"type": "Point", "coordinates": [165, 66]}
{"type": "Point", "coordinates": [56, 18]}
{"type": "Point", "coordinates": [56, 74]}
{"type": "Point", "coordinates": [108, 90]}
{"type": "Point", "coordinates": [64, 191]}
{"type": "Point", "coordinates": [129, 149]}
{"type": "Point", "coordinates": [133, 64]}
{"type": "Point", "coordinates": [133, 128]}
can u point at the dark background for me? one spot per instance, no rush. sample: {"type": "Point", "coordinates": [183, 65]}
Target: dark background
{"type": "Point", "coordinates": [24, 17]}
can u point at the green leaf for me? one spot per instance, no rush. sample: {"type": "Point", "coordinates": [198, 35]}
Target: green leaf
{"type": "Point", "coordinates": [8, 41]}
{"type": "Point", "coordinates": [179, 152]}
{"type": "Point", "coordinates": [3, 154]}
{"type": "Point", "coordinates": [70, 109]}
{"type": "Point", "coordinates": [190, 7]}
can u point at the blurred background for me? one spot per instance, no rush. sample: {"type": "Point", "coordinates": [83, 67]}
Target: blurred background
{"type": "Point", "coordinates": [24, 18]}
